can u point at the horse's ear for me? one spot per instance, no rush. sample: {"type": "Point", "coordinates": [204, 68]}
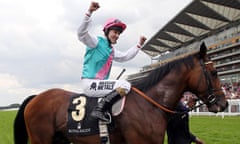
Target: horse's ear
{"type": "Point", "coordinates": [203, 50]}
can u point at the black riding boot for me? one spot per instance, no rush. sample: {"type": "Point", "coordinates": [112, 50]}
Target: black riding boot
{"type": "Point", "coordinates": [104, 105]}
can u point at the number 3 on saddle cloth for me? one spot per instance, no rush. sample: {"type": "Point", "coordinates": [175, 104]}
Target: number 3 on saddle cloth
{"type": "Point", "coordinates": [80, 122]}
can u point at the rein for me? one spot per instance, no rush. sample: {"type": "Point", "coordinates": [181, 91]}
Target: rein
{"type": "Point", "coordinates": [159, 105]}
{"type": "Point", "coordinates": [196, 106]}
{"type": "Point", "coordinates": [152, 101]}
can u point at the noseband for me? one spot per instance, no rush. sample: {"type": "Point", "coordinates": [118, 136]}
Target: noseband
{"type": "Point", "coordinates": [212, 98]}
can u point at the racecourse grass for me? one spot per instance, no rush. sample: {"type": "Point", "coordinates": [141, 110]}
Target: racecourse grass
{"type": "Point", "coordinates": [211, 129]}
{"type": "Point", "coordinates": [6, 126]}
{"type": "Point", "coordinates": [216, 130]}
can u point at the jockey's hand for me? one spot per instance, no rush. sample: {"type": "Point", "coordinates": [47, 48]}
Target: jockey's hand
{"type": "Point", "coordinates": [142, 40]}
{"type": "Point", "coordinates": [93, 7]}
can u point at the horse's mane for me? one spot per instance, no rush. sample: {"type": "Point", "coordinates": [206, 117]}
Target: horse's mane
{"type": "Point", "coordinates": [157, 74]}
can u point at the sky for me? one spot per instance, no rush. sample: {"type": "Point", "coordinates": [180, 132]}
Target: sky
{"type": "Point", "coordinates": [39, 48]}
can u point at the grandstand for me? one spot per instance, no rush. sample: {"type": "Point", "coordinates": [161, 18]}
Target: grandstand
{"type": "Point", "coordinates": [217, 23]}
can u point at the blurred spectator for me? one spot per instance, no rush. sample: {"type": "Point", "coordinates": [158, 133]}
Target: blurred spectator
{"type": "Point", "coordinates": [178, 125]}
{"type": "Point", "coordinates": [232, 90]}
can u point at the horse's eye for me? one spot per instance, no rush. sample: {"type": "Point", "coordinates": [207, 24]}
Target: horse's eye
{"type": "Point", "coordinates": [214, 73]}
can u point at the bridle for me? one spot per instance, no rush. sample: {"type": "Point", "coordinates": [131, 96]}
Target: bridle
{"type": "Point", "coordinates": [211, 99]}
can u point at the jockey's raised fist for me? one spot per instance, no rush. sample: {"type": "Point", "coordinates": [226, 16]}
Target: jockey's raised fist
{"type": "Point", "coordinates": [93, 7]}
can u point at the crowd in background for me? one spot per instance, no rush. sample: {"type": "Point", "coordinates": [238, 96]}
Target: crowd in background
{"type": "Point", "coordinates": [232, 90]}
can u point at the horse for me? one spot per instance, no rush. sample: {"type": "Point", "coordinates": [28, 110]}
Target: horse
{"type": "Point", "coordinates": [42, 119]}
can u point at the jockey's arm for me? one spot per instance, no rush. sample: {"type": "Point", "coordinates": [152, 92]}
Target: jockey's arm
{"type": "Point", "coordinates": [125, 56]}
{"type": "Point", "coordinates": [83, 33]}
{"type": "Point", "coordinates": [130, 53]}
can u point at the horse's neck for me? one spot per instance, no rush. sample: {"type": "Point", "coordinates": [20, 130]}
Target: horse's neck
{"type": "Point", "coordinates": [169, 91]}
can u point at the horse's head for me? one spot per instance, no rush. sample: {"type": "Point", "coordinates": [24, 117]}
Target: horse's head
{"type": "Point", "coordinates": [205, 83]}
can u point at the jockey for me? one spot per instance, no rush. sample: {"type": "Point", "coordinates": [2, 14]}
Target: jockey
{"type": "Point", "coordinates": [98, 62]}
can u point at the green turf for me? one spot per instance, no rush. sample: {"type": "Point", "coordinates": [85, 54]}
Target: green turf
{"type": "Point", "coordinates": [211, 129]}
{"type": "Point", "coordinates": [6, 126]}
{"type": "Point", "coordinates": [216, 130]}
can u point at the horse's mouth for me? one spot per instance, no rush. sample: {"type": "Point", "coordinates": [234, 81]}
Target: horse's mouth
{"type": "Point", "coordinates": [218, 107]}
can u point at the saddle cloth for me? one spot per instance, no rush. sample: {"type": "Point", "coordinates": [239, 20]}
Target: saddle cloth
{"type": "Point", "coordinates": [80, 122]}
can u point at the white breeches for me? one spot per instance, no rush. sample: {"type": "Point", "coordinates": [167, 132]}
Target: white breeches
{"type": "Point", "coordinates": [100, 88]}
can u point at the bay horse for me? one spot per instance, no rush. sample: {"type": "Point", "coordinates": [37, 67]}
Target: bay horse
{"type": "Point", "coordinates": [43, 118]}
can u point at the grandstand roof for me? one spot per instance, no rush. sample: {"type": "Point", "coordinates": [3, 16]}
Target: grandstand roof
{"type": "Point", "coordinates": [201, 18]}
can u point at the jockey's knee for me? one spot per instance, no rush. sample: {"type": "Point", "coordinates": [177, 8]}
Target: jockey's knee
{"type": "Point", "coordinates": [123, 87]}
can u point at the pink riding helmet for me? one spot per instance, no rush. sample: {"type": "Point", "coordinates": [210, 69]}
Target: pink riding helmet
{"type": "Point", "coordinates": [114, 22]}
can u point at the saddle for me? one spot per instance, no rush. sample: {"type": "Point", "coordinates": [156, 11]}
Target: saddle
{"type": "Point", "coordinates": [80, 122]}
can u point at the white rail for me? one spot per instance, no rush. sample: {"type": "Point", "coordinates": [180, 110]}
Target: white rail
{"type": "Point", "coordinates": [232, 110]}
